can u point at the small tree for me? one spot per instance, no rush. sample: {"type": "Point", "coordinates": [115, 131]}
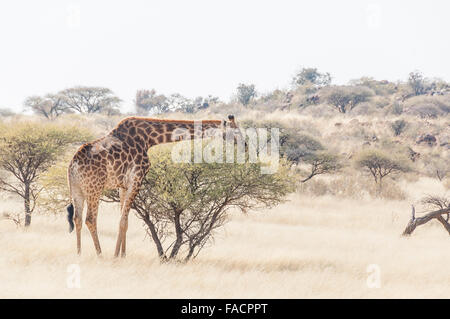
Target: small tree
{"type": "Point", "coordinates": [245, 93]}
{"type": "Point", "coordinates": [345, 98]}
{"type": "Point", "coordinates": [312, 76]}
{"type": "Point", "coordinates": [178, 102]}
{"type": "Point", "coordinates": [182, 204]}
{"type": "Point", "coordinates": [147, 101]}
{"type": "Point", "coordinates": [417, 82]}
{"type": "Point", "coordinates": [87, 99]}
{"type": "Point", "coordinates": [320, 163]}
{"type": "Point", "coordinates": [26, 151]}
{"type": "Point", "coordinates": [50, 106]}
{"type": "Point", "coordinates": [381, 164]}
{"type": "Point", "coordinates": [398, 127]}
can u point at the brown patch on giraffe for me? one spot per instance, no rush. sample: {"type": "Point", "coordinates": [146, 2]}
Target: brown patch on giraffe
{"type": "Point", "coordinates": [141, 132]}
{"type": "Point", "coordinates": [130, 141]}
{"type": "Point", "coordinates": [151, 142]}
{"type": "Point", "coordinates": [139, 148]}
{"type": "Point", "coordinates": [168, 137]}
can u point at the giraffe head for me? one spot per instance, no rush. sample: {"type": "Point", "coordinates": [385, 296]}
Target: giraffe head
{"type": "Point", "coordinates": [232, 130]}
{"type": "Point", "coordinates": [232, 122]}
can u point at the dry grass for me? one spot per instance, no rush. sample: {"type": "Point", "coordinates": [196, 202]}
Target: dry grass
{"type": "Point", "coordinates": [306, 248]}
{"type": "Point", "coordinates": [310, 247]}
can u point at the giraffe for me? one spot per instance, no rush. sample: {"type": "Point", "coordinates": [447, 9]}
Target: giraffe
{"type": "Point", "coordinates": [119, 160]}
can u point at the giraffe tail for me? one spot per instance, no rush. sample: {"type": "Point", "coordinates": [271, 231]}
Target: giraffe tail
{"type": "Point", "coordinates": [70, 210]}
{"type": "Point", "coordinates": [70, 217]}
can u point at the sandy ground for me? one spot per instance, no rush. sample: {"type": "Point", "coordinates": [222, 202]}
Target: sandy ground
{"type": "Point", "coordinates": [306, 248]}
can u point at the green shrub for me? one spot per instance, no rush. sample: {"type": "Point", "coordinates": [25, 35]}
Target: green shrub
{"type": "Point", "coordinates": [182, 204]}
{"type": "Point", "coordinates": [398, 126]}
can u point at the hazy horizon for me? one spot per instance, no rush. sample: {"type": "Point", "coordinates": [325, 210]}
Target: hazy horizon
{"type": "Point", "coordinates": [205, 47]}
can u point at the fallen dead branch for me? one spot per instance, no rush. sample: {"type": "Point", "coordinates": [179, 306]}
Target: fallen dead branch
{"type": "Point", "coordinates": [433, 201]}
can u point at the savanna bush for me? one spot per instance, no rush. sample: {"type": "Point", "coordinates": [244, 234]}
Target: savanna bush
{"type": "Point", "coordinates": [428, 106]}
{"type": "Point", "coordinates": [398, 126]}
{"type": "Point", "coordinates": [293, 145]}
{"type": "Point", "coordinates": [350, 185]}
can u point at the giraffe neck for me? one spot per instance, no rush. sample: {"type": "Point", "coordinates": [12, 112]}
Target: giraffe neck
{"type": "Point", "coordinates": [142, 133]}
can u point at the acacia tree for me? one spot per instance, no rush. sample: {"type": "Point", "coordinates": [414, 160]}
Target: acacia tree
{"type": "Point", "coordinates": [345, 98]}
{"type": "Point", "coordinates": [417, 83]}
{"type": "Point", "coordinates": [313, 77]}
{"type": "Point", "coordinates": [50, 106]}
{"type": "Point", "coordinates": [245, 93]}
{"type": "Point", "coordinates": [381, 164]}
{"type": "Point", "coordinates": [86, 99]}
{"type": "Point", "coordinates": [26, 151]}
{"type": "Point", "coordinates": [320, 163]}
{"type": "Point", "coordinates": [148, 101]}
{"type": "Point", "coordinates": [182, 204]}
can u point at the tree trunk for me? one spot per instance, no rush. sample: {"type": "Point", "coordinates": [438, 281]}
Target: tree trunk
{"type": "Point", "coordinates": [155, 238]}
{"type": "Point", "coordinates": [27, 205]}
{"type": "Point", "coordinates": [179, 234]}
{"type": "Point", "coordinates": [191, 252]}
{"type": "Point", "coordinates": [380, 187]}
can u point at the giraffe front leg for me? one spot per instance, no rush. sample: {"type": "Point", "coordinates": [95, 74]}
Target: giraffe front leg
{"type": "Point", "coordinates": [121, 238]}
{"type": "Point", "coordinates": [124, 237]}
{"type": "Point", "coordinates": [128, 198]}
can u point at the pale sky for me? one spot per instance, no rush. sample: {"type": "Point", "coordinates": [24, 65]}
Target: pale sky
{"type": "Point", "coordinates": [206, 47]}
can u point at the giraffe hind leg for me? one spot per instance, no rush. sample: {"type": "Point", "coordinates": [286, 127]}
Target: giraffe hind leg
{"type": "Point", "coordinates": [78, 204]}
{"type": "Point", "coordinates": [91, 222]}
